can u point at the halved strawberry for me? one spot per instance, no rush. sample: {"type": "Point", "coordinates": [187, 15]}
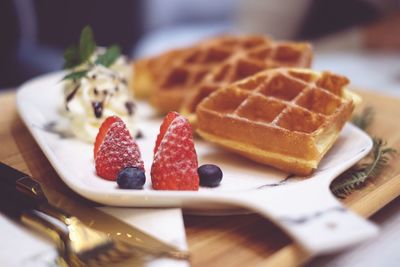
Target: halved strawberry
{"type": "Point", "coordinates": [105, 126]}
{"type": "Point", "coordinates": [175, 161]}
{"type": "Point", "coordinates": [116, 150]}
{"type": "Point", "coordinates": [164, 126]}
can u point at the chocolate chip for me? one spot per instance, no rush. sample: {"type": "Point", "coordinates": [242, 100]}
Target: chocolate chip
{"type": "Point", "coordinates": [70, 96]}
{"type": "Point", "coordinates": [130, 107]}
{"type": "Point", "coordinates": [97, 108]}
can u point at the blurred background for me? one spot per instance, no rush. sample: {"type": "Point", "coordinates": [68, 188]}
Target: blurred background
{"type": "Point", "coordinates": [358, 38]}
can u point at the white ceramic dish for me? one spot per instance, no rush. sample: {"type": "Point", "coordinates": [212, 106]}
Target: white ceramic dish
{"type": "Point", "coordinates": [303, 207]}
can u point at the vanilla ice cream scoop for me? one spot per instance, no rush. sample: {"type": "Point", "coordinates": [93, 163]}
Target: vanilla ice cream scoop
{"type": "Point", "coordinates": [102, 92]}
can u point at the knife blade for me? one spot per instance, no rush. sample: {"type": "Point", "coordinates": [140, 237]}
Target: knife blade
{"type": "Point", "coordinates": [89, 215]}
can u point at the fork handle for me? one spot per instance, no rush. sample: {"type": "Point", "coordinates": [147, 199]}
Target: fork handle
{"type": "Point", "coordinates": [33, 220]}
{"type": "Point", "coordinates": [37, 222]}
{"type": "Point", "coordinates": [24, 207]}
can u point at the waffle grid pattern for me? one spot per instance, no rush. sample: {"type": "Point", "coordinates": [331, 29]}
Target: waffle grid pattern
{"type": "Point", "coordinates": [182, 78]}
{"type": "Point", "coordinates": [247, 57]}
{"type": "Point", "coordinates": [288, 99]}
{"type": "Point", "coordinates": [284, 117]}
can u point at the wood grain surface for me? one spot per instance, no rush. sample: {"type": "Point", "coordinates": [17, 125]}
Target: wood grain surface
{"type": "Point", "coordinates": [240, 240]}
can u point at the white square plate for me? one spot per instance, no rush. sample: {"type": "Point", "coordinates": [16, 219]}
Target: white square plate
{"type": "Point", "coordinates": [38, 103]}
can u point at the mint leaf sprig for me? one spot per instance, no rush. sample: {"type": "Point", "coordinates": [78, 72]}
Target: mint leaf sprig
{"type": "Point", "coordinates": [109, 57]}
{"type": "Point", "coordinates": [76, 75]}
{"type": "Point", "coordinates": [379, 157]}
{"type": "Point", "coordinates": [79, 54]}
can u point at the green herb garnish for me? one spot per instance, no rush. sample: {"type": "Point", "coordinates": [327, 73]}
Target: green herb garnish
{"type": "Point", "coordinates": [79, 54]}
{"type": "Point", "coordinates": [364, 119]}
{"type": "Point", "coordinates": [71, 57]}
{"type": "Point", "coordinates": [76, 75]}
{"type": "Point", "coordinates": [87, 44]}
{"type": "Point", "coordinates": [357, 176]}
{"type": "Point", "coordinates": [109, 57]}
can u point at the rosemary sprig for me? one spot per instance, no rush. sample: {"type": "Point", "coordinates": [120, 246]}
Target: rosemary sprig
{"type": "Point", "coordinates": [378, 158]}
{"type": "Point", "coordinates": [364, 119]}
{"type": "Point", "coordinates": [357, 176]}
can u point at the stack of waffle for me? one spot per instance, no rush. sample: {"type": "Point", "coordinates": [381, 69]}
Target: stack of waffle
{"type": "Point", "coordinates": [252, 95]}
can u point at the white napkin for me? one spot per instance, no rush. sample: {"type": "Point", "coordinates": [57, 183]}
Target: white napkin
{"type": "Point", "coordinates": [22, 248]}
{"type": "Point", "coordinates": [19, 247]}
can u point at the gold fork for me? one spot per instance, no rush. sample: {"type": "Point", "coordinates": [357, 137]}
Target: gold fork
{"type": "Point", "coordinates": [78, 242]}
{"type": "Point", "coordinates": [78, 245]}
{"type": "Point", "coordinates": [83, 244]}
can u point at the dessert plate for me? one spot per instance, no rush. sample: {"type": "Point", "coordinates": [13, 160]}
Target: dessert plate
{"type": "Point", "coordinates": [304, 207]}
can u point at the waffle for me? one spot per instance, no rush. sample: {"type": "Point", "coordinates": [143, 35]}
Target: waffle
{"type": "Point", "coordinates": [286, 117]}
{"type": "Point", "coordinates": [147, 70]}
{"type": "Point", "coordinates": [182, 80]}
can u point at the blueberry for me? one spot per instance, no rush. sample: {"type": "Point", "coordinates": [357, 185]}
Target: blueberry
{"type": "Point", "coordinates": [210, 175]}
{"type": "Point", "coordinates": [131, 178]}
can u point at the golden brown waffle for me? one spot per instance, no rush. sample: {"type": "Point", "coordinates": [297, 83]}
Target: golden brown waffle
{"type": "Point", "coordinates": [286, 117]}
{"type": "Point", "coordinates": [183, 79]}
{"type": "Point", "coordinates": [146, 72]}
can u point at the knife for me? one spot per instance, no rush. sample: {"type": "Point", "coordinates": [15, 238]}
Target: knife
{"type": "Point", "coordinates": [39, 195]}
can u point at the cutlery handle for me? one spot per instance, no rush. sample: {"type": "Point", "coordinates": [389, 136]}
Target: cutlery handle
{"type": "Point", "coordinates": [10, 175]}
{"type": "Point", "coordinates": [21, 181]}
{"type": "Point", "coordinates": [27, 192]}
{"type": "Point", "coordinates": [313, 217]}
{"type": "Point", "coordinates": [13, 202]}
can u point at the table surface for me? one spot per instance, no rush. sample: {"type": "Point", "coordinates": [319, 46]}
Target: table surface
{"type": "Point", "coordinates": [240, 240]}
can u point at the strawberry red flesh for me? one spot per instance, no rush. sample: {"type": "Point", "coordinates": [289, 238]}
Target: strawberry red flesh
{"type": "Point", "coordinates": [105, 126]}
{"type": "Point", "coordinates": [175, 161]}
{"type": "Point", "coordinates": [117, 151]}
{"type": "Point", "coordinates": [163, 128]}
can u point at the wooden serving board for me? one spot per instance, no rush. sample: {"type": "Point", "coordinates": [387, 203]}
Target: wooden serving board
{"type": "Point", "coordinates": [240, 240]}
